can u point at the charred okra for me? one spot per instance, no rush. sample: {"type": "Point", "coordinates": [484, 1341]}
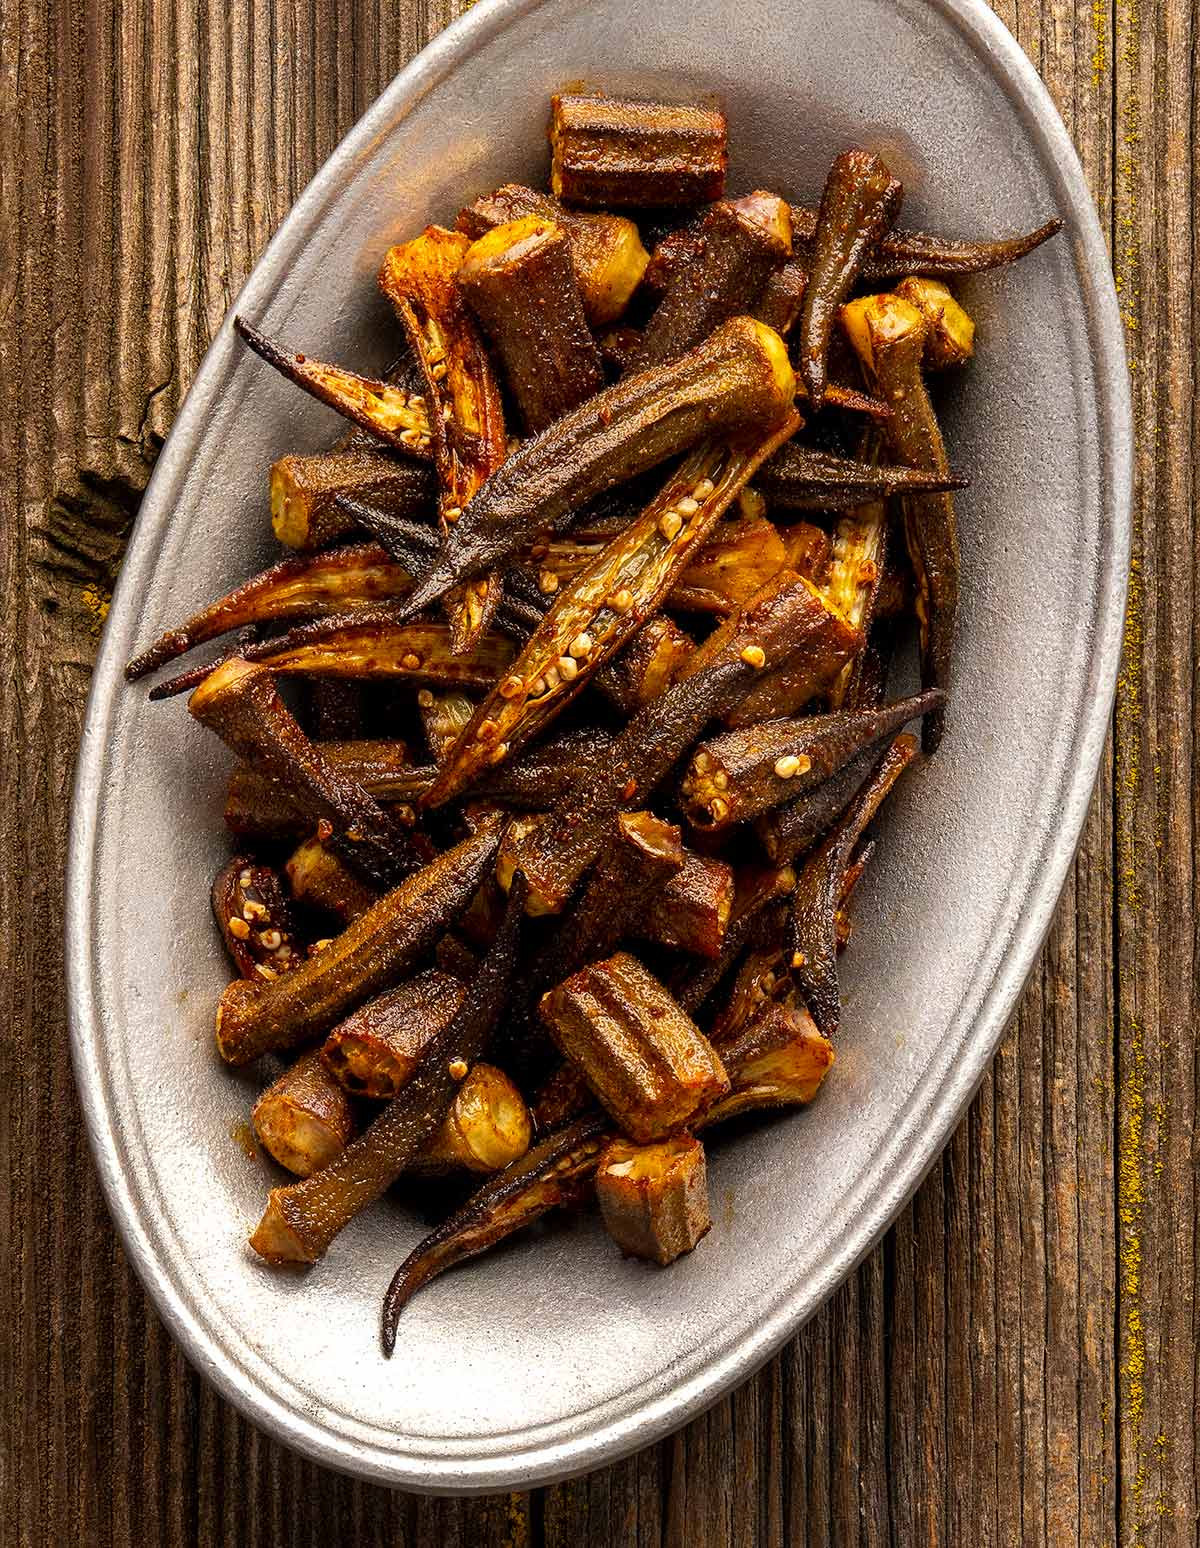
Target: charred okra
{"type": "Point", "coordinates": [608, 151]}
{"type": "Point", "coordinates": [257, 806]}
{"type": "Point", "coordinates": [902, 251]}
{"type": "Point", "coordinates": [380, 945]}
{"type": "Point", "coordinates": [304, 1119]}
{"type": "Point", "coordinates": [889, 335]}
{"type": "Point", "coordinates": [302, 1219]}
{"type": "Point", "coordinates": [320, 881]}
{"type": "Point", "coordinates": [860, 202]}
{"type": "Point", "coordinates": [375, 1050]}
{"type": "Point", "coordinates": [606, 250]}
{"type": "Point", "coordinates": [801, 478]}
{"type": "Point", "coordinates": [316, 584]}
{"type": "Point", "coordinates": [521, 285]}
{"type": "Point", "coordinates": [392, 414]}
{"type": "Point", "coordinates": [734, 777]}
{"type": "Point", "coordinates": [820, 884]}
{"type": "Point", "coordinates": [654, 1198]}
{"type": "Point", "coordinates": [732, 253]}
{"type": "Point", "coordinates": [739, 378]}
{"type": "Point", "coordinates": [239, 701]}
{"type": "Point", "coordinates": [466, 412]}
{"type": "Point", "coordinates": [593, 616]}
{"type": "Point", "coordinates": [647, 1062]}
{"type": "Point", "coordinates": [255, 919]}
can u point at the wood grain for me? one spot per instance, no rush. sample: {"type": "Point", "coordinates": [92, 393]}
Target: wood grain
{"type": "Point", "coordinates": [1016, 1362]}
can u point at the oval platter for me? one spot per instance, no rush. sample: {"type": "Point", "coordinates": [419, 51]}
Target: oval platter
{"type": "Point", "coordinates": [554, 1355]}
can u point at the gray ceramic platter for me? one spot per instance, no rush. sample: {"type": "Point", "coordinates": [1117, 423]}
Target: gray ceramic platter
{"type": "Point", "coordinates": [554, 1355]}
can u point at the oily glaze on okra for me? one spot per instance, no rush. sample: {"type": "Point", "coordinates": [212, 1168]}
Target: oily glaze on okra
{"type": "Point", "coordinates": [606, 250]}
{"type": "Point", "coordinates": [257, 806]}
{"type": "Point", "coordinates": [888, 334]}
{"type": "Point", "coordinates": [372, 952]}
{"type": "Point", "coordinates": [466, 410]}
{"type": "Point", "coordinates": [301, 1220]}
{"type": "Point", "coordinates": [820, 888]}
{"type": "Point", "coordinates": [607, 151]}
{"type": "Point", "coordinates": [735, 776]}
{"type": "Point", "coordinates": [730, 256]}
{"type": "Point", "coordinates": [787, 614]}
{"type": "Point", "coordinates": [604, 604]}
{"type": "Point", "coordinates": [801, 478]}
{"type": "Point", "coordinates": [739, 556]}
{"type": "Point", "coordinates": [739, 378]}
{"type": "Point", "coordinates": [239, 701]}
{"type": "Point", "coordinates": [300, 587]}
{"type": "Point", "coordinates": [392, 414]}
{"type": "Point", "coordinates": [860, 202]}
{"type": "Point", "coordinates": [255, 919]}
{"type": "Point", "coordinates": [520, 283]}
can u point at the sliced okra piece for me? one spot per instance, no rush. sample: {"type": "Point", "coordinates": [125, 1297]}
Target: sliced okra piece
{"type": "Point", "coordinates": [691, 912]}
{"type": "Point", "coordinates": [738, 379]}
{"type": "Point", "coordinates": [466, 411]}
{"type": "Point", "coordinates": [608, 151]}
{"type": "Point", "coordinates": [301, 1220]}
{"type": "Point", "coordinates": [302, 587]}
{"type": "Point", "coordinates": [646, 666]}
{"type": "Point", "coordinates": [255, 919]}
{"type": "Point", "coordinates": [809, 551]}
{"type": "Point", "coordinates": [603, 605]}
{"type": "Point", "coordinates": [321, 881]}
{"type": "Point", "coordinates": [376, 1048]}
{"type": "Point", "coordinates": [520, 283]}
{"type": "Point", "coordinates": [820, 889]}
{"type": "Point", "coordinates": [732, 252]}
{"type": "Point", "coordinates": [649, 1065]}
{"type": "Point", "coordinates": [304, 1119]}
{"type": "Point", "coordinates": [239, 701]}
{"type": "Point", "coordinates": [860, 202]}
{"type": "Point", "coordinates": [734, 777]}
{"type": "Point", "coordinates": [606, 250]}
{"type": "Point", "coordinates": [740, 556]}
{"type": "Point", "coordinates": [392, 414]}
{"type": "Point", "coordinates": [487, 1128]}
{"type": "Point", "coordinates": [779, 1059]}
{"type": "Point", "coordinates": [443, 716]}
{"type": "Point", "coordinates": [654, 1198]}
{"type": "Point", "coordinates": [307, 492]}
{"type": "Point", "coordinates": [888, 333]}
{"type": "Point", "coordinates": [379, 947]}
{"type": "Point", "coordinates": [949, 328]}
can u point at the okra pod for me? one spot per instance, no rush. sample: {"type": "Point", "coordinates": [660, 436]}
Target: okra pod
{"type": "Point", "coordinates": [738, 558]}
{"type": "Point", "coordinates": [376, 1048]}
{"type": "Point", "coordinates": [734, 777]}
{"type": "Point", "coordinates": [782, 297]}
{"type": "Point", "coordinates": [375, 950]}
{"type": "Point", "coordinates": [691, 912]}
{"type": "Point", "coordinates": [739, 378]}
{"type": "Point", "coordinates": [307, 491]}
{"type": "Point", "coordinates": [647, 1062]}
{"type": "Point", "coordinates": [255, 919]}
{"type": "Point", "coordinates": [301, 587]}
{"type": "Point", "coordinates": [239, 701]}
{"type": "Point", "coordinates": [520, 283]}
{"type": "Point", "coordinates": [801, 478]}
{"type": "Point", "coordinates": [900, 251]}
{"type": "Point", "coordinates": [732, 253]}
{"type": "Point", "coordinates": [257, 806]}
{"type": "Point", "coordinates": [319, 880]}
{"type": "Point", "coordinates": [860, 202]}
{"type": "Point", "coordinates": [889, 335]}
{"type": "Point", "coordinates": [487, 1128]}
{"type": "Point", "coordinates": [607, 151]}
{"type": "Point", "coordinates": [820, 884]}
{"type": "Point", "coordinates": [302, 1219]}
{"type": "Point", "coordinates": [392, 414]}
{"type": "Point", "coordinates": [592, 617]}
{"type": "Point", "coordinates": [606, 250]}
{"type": "Point", "coordinates": [645, 667]}
{"type": "Point", "coordinates": [304, 1119]}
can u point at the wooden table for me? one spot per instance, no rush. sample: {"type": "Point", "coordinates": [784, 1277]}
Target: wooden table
{"type": "Point", "coordinates": [1017, 1361]}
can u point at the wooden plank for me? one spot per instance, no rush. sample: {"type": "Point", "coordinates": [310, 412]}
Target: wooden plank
{"type": "Point", "coordinates": [965, 1386]}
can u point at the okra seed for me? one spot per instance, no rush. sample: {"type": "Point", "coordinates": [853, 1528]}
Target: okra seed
{"type": "Point", "coordinates": [239, 929]}
{"type": "Point", "coordinates": [410, 661]}
{"type": "Point", "coordinates": [438, 371]}
{"type": "Point", "coordinates": [538, 688]}
{"type": "Point", "coordinates": [797, 959]}
{"type": "Point", "coordinates": [622, 601]}
{"type": "Point", "coordinates": [548, 582]}
{"type": "Point", "coordinates": [568, 667]}
{"type": "Point", "coordinates": [552, 678]}
{"type": "Point", "coordinates": [580, 645]}
{"type": "Point", "coordinates": [788, 766]}
{"type": "Point", "coordinates": [511, 687]}
{"type": "Point", "coordinates": [457, 1068]}
{"type": "Point", "coordinates": [254, 910]}
{"type": "Point", "coordinates": [271, 939]}
{"type": "Point", "coordinates": [243, 878]}
{"type": "Point", "coordinates": [721, 780]}
{"type": "Point", "coordinates": [719, 808]}
{"type": "Point", "coordinates": [326, 940]}
{"type": "Point", "coordinates": [264, 971]}
{"type": "Point", "coordinates": [425, 699]}
{"type": "Point", "coordinates": [669, 524]}
{"type": "Point", "coordinates": [417, 400]}
{"type": "Point", "coordinates": [704, 488]}
{"type": "Point", "coordinates": [702, 762]}
{"type": "Point", "coordinates": [768, 981]}
{"type": "Point", "coordinates": [452, 512]}
{"type": "Point", "coordinates": [786, 880]}
{"type": "Point", "coordinates": [487, 730]}
{"type": "Point", "coordinates": [687, 506]}
{"type": "Point", "coordinates": [755, 656]}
